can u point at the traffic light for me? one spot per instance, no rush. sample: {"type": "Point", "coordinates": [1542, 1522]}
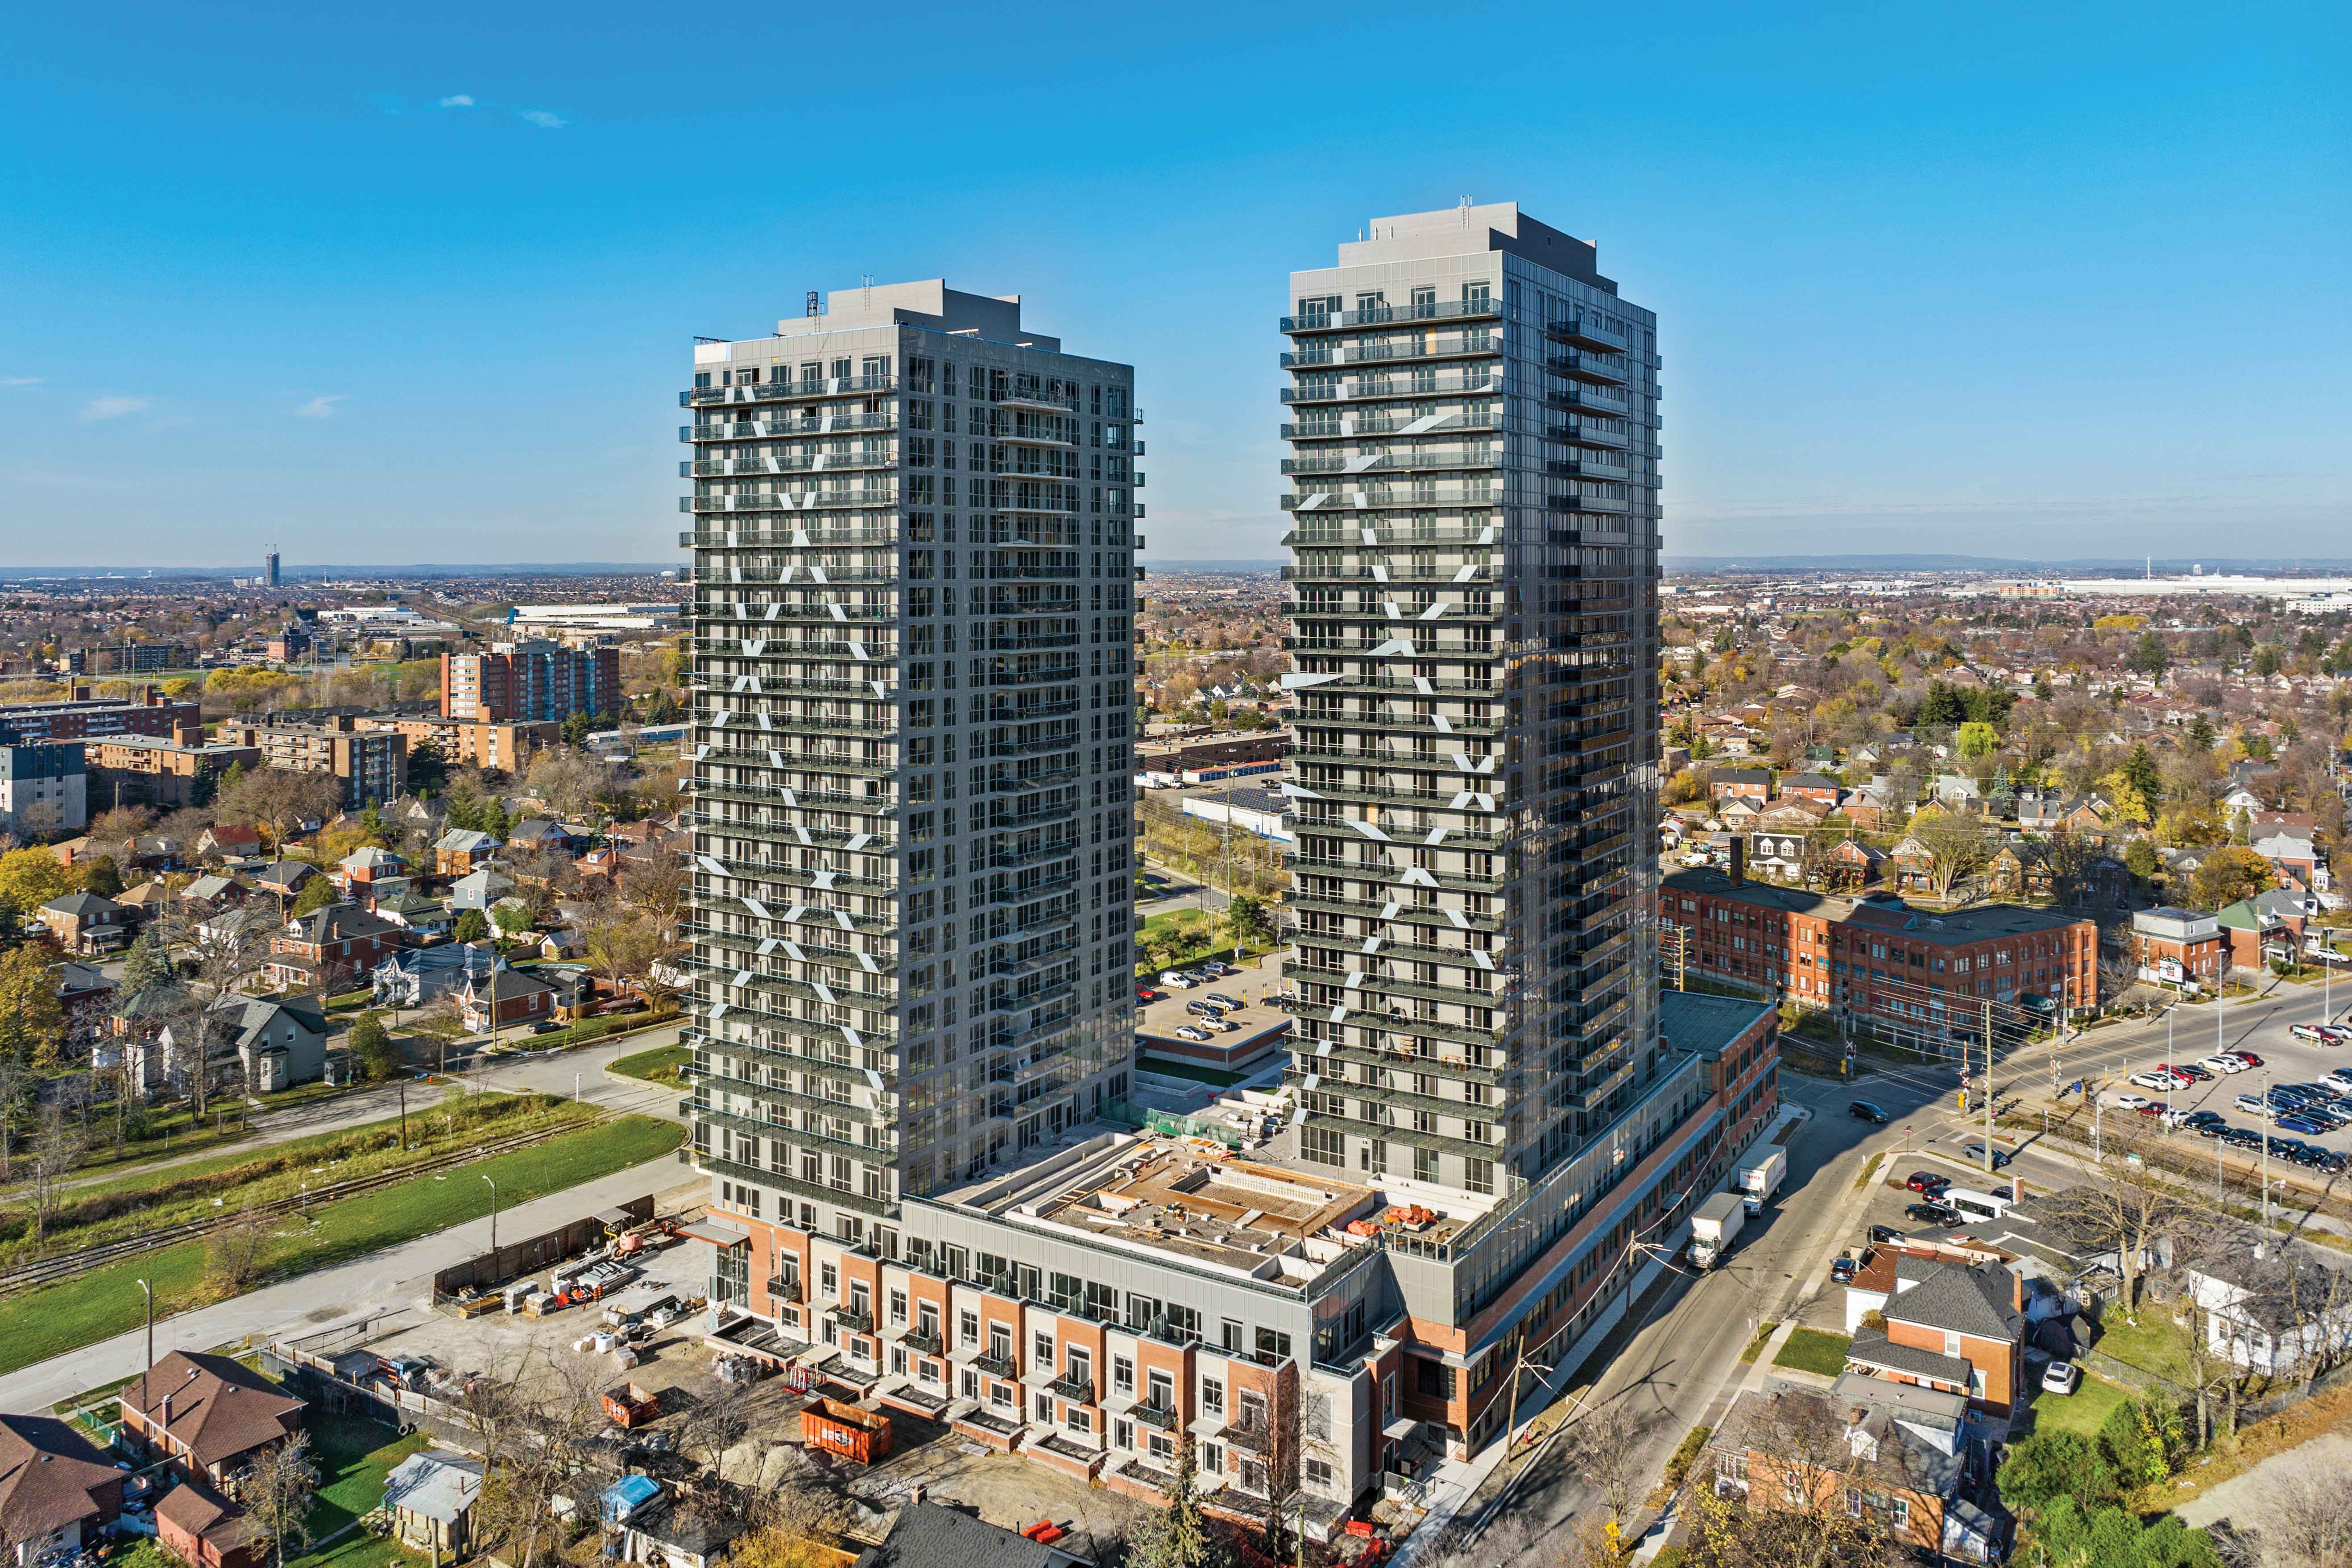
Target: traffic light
{"type": "Point", "coordinates": [1964, 1101]}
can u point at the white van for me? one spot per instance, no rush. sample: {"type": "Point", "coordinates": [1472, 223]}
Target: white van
{"type": "Point", "coordinates": [1974, 1204]}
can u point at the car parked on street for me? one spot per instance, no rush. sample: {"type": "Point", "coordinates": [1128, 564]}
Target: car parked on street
{"type": "Point", "coordinates": [1974, 1154]}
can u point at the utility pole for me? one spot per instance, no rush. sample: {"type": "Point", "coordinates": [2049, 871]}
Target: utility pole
{"type": "Point", "coordinates": [1988, 1090]}
{"type": "Point", "coordinates": [2268, 1110]}
{"type": "Point", "coordinates": [149, 1287]}
{"type": "Point", "coordinates": [494, 1216]}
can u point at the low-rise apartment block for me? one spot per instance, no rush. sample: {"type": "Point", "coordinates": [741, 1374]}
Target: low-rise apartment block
{"type": "Point", "coordinates": [372, 765]}
{"type": "Point", "coordinates": [165, 772]}
{"type": "Point", "coordinates": [470, 743]}
{"type": "Point", "coordinates": [1911, 976]}
{"type": "Point", "coordinates": [84, 718]}
{"type": "Point", "coordinates": [2175, 947]}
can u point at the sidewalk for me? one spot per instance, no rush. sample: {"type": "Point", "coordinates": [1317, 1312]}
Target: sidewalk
{"type": "Point", "coordinates": [394, 1277]}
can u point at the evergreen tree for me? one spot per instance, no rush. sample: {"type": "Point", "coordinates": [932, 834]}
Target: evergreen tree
{"type": "Point", "coordinates": [473, 925]}
{"type": "Point", "coordinates": [316, 894]}
{"type": "Point", "coordinates": [1178, 1536]}
{"type": "Point", "coordinates": [2200, 732]}
{"type": "Point", "coordinates": [104, 878]}
{"type": "Point", "coordinates": [2139, 771]}
{"type": "Point", "coordinates": [143, 965]}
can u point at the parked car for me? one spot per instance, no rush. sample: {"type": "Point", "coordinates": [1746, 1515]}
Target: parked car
{"type": "Point", "coordinates": [1934, 1214]}
{"type": "Point", "coordinates": [2311, 1032]}
{"type": "Point", "coordinates": [2155, 1079]}
{"type": "Point", "coordinates": [1200, 1009]}
{"type": "Point", "coordinates": [2296, 1121]}
{"type": "Point", "coordinates": [1841, 1270]}
{"type": "Point", "coordinates": [2223, 1063]}
{"type": "Point", "coordinates": [2215, 1129]}
{"type": "Point", "coordinates": [1187, 1032]}
{"type": "Point", "coordinates": [1146, 993]}
{"type": "Point", "coordinates": [1862, 1110]}
{"type": "Point", "coordinates": [1928, 1182]}
{"type": "Point", "coordinates": [1179, 981]}
{"type": "Point", "coordinates": [2128, 1102]}
{"type": "Point", "coordinates": [2061, 1377]}
{"type": "Point", "coordinates": [1975, 1152]}
{"type": "Point", "coordinates": [2243, 1138]}
{"type": "Point", "coordinates": [1221, 1000]}
{"type": "Point", "coordinates": [2255, 1105]}
{"type": "Point", "coordinates": [1883, 1234]}
{"type": "Point", "coordinates": [1220, 1024]}
{"type": "Point", "coordinates": [2249, 1058]}
{"type": "Point", "coordinates": [2193, 1119]}
{"type": "Point", "coordinates": [2195, 1072]}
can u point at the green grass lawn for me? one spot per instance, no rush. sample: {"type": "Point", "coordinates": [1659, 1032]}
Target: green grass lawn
{"type": "Point", "coordinates": [659, 1065]}
{"type": "Point", "coordinates": [2156, 1344]}
{"type": "Point", "coordinates": [106, 1301]}
{"type": "Point", "coordinates": [1812, 1349]}
{"type": "Point", "coordinates": [2082, 1411]}
{"type": "Point", "coordinates": [353, 1456]}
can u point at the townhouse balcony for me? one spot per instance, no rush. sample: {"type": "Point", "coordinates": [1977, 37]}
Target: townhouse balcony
{"type": "Point", "coordinates": [1588, 332]}
{"type": "Point", "coordinates": [852, 1319]}
{"type": "Point", "coordinates": [785, 1290]}
{"type": "Point", "coordinates": [1484, 307]}
{"type": "Point", "coordinates": [1597, 369]}
{"type": "Point", "coordinates": [1077, 1390]}
{"type": "Point", "coordinates": [992, 1365]}
{"type": "Point", "coordinates": [788, 391]}
{"type": "Point", "coordinates": [1160, 1416]}
{"type": "Point", "coordinates": [923, 1343]}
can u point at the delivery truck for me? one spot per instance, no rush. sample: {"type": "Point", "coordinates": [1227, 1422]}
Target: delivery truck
{"type": "Point", "coordinates": [1714, 1226]}
{"type": "Point", "coordinates": [1760, 1177]}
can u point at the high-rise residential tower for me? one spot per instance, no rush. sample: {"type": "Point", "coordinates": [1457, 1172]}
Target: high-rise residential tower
{"type": "Point", "coordinates": [911, 670]}
{"type": "Point", "coordinates": [1475, 536]}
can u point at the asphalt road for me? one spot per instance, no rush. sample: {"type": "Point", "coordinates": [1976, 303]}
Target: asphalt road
{"type": "Point", "coordinates": [1679, 1363]}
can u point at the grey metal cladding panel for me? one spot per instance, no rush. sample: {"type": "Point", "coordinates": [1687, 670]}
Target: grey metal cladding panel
{"type": "Point", "coordinates": [1130, 1273]}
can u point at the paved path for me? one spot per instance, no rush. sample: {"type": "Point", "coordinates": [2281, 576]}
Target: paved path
{"type": "Point", "coordinates": [2241, 1499]}
{"type": "Point", "coordinates": [397, 1276]}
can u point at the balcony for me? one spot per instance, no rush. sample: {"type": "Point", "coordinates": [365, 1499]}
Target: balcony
{"type": "Point", "coordinates": [1394, 462]}
{"type": "Point", "coordinates": [757, 537]}
{"type": "Point", "coordinates": [744, 467]}
{"type": "Point", "coordinates": [1478, 307]}
{"type": "Point", "coordinates": [785, 1290]}
{"type": "Point", "coordinates": [784, 391]}
{"type": "Point", "coordinates": [1586, 400]}
{"type": "Point", "coordinates": [994, 1365]}
{"type": "Point", "coordinates": [1587, 331]}
{"type": "Point", "coordinates": [1077, 1390]}
{"type": "Point", "coordinates": [1160, 1416]}
{"type": "Point", "coordinates": [784, 501]}
{"type": "Point", "coordinates": [1604, 434]}
{"type": "Point", "coordinates": [1587, 367]}
{"type": "Point", "coordinates": [1413, 498]}
{"type": "Point", "coordinates": [1370, 389]}
{"type": "Point", "coordinates": [1600, 467]}
{"type": "Point", "coordinates": [1334, 428]}
{"type": "Point", "coordinates": [778, 430]}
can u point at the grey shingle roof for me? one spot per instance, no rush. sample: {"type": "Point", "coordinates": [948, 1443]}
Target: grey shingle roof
{"type": "Point", "coordinates": [926, 1535]}
{"type": "Point", "coordinates": [1969, 1299]}
{"type": "Point", "coordinates": [1874, 1349]}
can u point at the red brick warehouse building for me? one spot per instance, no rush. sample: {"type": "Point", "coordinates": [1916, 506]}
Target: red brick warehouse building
{"type": "Point", "coordinates": [1908, 976]}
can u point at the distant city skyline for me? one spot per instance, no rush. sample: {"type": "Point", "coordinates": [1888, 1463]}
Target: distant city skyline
{"type": "Point", "coordinates": [2009, 282]}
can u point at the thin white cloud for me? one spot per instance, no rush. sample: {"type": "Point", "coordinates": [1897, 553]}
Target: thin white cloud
{"type": "Point", "coordinates": [320, 408]}
{"type": "Point", "coordinates": [540, 117]}
{"type": "Point", "coordinates": [458, 101]}
{"type": "Point", "coordinates": [111, 407]}
{"type": "Point", "coordinates": [20, 381]}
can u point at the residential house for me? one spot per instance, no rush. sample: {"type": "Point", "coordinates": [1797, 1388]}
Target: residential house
{"type": "Point", "coordinates": [1955, 793]}
{"type": "Point", "coordinates": [205, 1529]}
{"type": "Point", "coordinates": [2088, 816]}
{"type": "Point", "coordinates": [604, 861]}
{"type": "Point", "coordinates": [2039, 811]}
{"type": "Point", "coordinates": [420, 976]}
{"type": "Point", "coordinates": [1852, 862]}
{"type": "Point", "coordinates": [1749, 783]}
{"type": "Point", "coordinates": [1960, 1328]}
{"type": "Point", "coordinates": [211, 892]}
{"type": "Point", "coordinates": [368, 869]}
{"type": "Point", "coordinates": [539, 833]}
{"type": "Point", "coordinates": [284, 878]}
{"type": "Point", "coordinates": [209, 1416]}
{"type": "Point", "coordinates": [502, 997]}
{"type": "Point", "coordinates": [330, 946]}
{"type": "Point", "coordinates": [2020, 869]}
{"type": "Point", "coordinates": [1816, 788]}
{"type": "Point", "coordinates": [85, 993]}
{"type": "Point", "coordinates": [415, 913]}
{"type": "Point", "coordinates": [229, 927]}
{"type": "Point", "coordinates": [462, 851]}
{"type": "Point", "coordinates": [926, 1534]}
{"type": "Point", "coordinates": [646, 1524]}
{"type": "Point", "coordinates": [1873, 808]}
{"type": "Point", "coordinates": [1797, 815]}
{"type": "Point", "coordinates": [56, 1491]}
{"type": "Point", "coordinates": [227, 841]}
{"type": "Point", "coordinates": [1912, 865]}
{"type": "Point", "coordinates": [1895, 1455]}
{"type": "Point", "coordinates": [86, 923]}
{"type": "Point", "coordinates": [2295, 855]}
{"type": "Point", "coordinates": [278, 1043]}
{"type": "Point", "coordinates": [2271, 1303]}
{"type": "Point", "coordinates": [1738, 813]}
{"type": "Point", "coordinates": [481, 891]}
{"type": "Point", "coordinates": [430, 1498]}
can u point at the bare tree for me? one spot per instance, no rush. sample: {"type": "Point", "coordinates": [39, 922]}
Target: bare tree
{"type": "Point", "coordinates": [538, 1429]}
{"type": "Point", "coordinates": [1956, 846]}
{"type": "Point", "coordinates": [277, 801]}
{"type": "Point", "coordinates": [2122, 1203]}
{"type": "Point", "coordinates": [275, 1493]}
{"type": "Point", "coordinates": [233, 1254]}
{"type": "Point", "coordinates": [1803, 1479]}
{"type": "Point", "coordinates": [2308, 1520]}
{"type": "Point", "coordinates": [57, 1149]}
{"type": "Point", "coordinates": [1600, 1445]}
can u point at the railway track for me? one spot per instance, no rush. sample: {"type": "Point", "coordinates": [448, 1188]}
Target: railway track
{"type": "Point", "coordinates": [49, 1270]}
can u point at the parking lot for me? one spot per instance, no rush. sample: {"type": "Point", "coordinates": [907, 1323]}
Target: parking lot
{"type": "Point", "coordinates": [1250, 988]}
{"type": "Point", "coordinates": [2200, 1034]}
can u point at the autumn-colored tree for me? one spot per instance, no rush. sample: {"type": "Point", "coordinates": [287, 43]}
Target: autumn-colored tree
{"type": "Point", "coordinates": [32, 1019]}
{"type": "Point", "coordinates": [2229, 874]}
{"type": "Point", "coordinates": [30, 878]}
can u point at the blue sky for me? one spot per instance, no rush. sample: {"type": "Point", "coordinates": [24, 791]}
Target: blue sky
{"type": "Point", "coordinates": [416, 283]}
